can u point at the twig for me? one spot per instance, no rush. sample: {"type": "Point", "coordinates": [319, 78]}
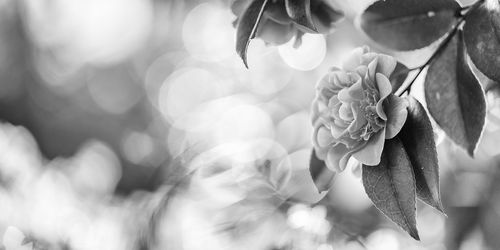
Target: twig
{"type": "Point", "coordinates": [441, 46]}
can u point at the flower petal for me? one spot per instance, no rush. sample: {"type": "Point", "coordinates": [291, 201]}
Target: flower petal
{"type": "Point", "coordinates": [353, 93]}
{"type": "Point", "coordinates": [396, 110]}
{"type": "Point", "coordinates": [372, 69]}
{"type": "Point", "coordinates": [354, 60]}
{"type": "Point", "coordinates": [383, 85]}
{"type": "Point", "coordinates": [367, 58]}
{"type": "Point", "coordinates": [337, 158]}
{"type": "Point", "coordinates": [370, 154]}
{"type": "Point", "coordinates": [322, 137]}
{"type": "Point", "coordinates": [359, 119]}
{"type": "Point", "coordinates": [362, 70]}
{"type": "Point", "coordinates": [384, 88]}
{"type": "Point", "coordinates": [386, 64]}
{"type": "Point", "coordinates": [356, 90]}
{"type": "Point", "coordinates": [345, 112]}
{"type": "Point", "coordinates": [338, 131]}
{"type": "Point", "coordinates": [315, 111]}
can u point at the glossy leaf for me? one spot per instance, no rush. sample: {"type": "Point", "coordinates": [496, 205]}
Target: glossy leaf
{"type": "Point", "coordinates": [454, 96]}
{"type": "Point", "coordinates": [391, 186]}
{"type": "Point", "coordinates": [408, 24]}
{"type": "Point", "coordinates": [398, 76]}
{"type": "Point", "coordinates": [417, 137]}
{"type": "Point", "coordinates": [300, 12]}
{"type": "Point", "coordinates": [247, 27]}
{"type": "Point", "coordinates": [325, 16]}
{"type": "Point", "coordinates": [321, 175]}
{"type": "Point", "coordinates": [482, 38]}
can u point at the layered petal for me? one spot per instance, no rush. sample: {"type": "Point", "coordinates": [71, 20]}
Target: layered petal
{"type": "Point", "coordinates": [386, 64]}
{"type": "Point", "coordinates": [372, 151]}
{"type": "Point", "coordinates": [357, 109]}
{"type": "Point", "coordinates": [384, 88]}
{"type": "Point", "coordinates": [397, 112]}
{"type": "Point", "coordinates": [323, 137]}
{"type": "Point", "coordinates": [337, 158]}
{"type": "Point", "coordinates": [354, 59]}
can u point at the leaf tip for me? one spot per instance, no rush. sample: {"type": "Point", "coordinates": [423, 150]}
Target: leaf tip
{"type": "Point", "coordinates": [414, 234]}
{"type": "Point", "coordinates": [245, 62]}
{"type": "Point", "coordinates": [439, 206]}
{"type": "Point", "coordinates": [470, 150]}
{"type": "Point", "coordinates": [310, 26]}
{"type": "Point", "coordinates": [243, 57]}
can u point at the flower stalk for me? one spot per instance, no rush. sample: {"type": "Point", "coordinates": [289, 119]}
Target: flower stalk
{"type": "Point", "coordinates": [405, 87]}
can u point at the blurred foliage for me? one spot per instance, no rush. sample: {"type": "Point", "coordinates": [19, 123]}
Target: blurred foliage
{"type": "Point", "coordinates": [132, 124]}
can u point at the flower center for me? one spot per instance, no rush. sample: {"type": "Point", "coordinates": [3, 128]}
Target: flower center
{"type": "Point", "coordinates": [374, 122]}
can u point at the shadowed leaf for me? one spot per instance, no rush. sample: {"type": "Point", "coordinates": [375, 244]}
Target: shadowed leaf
{"type": "Point", "coordinates": [325, 16]}
{"type": "Point", "coordinates": [300, 12]}
{"type": "Point", "coordinates": [247, 26]}
{"type": "Point", "coordinates": [321, 175]}
{"type": "Point", "coordinates": [482, 38]}
{"type": "Point", "coordinates": [398, 76]}
{"type": "Point", "coordinates": [418, 140]}
{"type": "Point", "coordinates": [408, 24]}
{"type": "Point", "coordinates": [391, 186]}
{"type": "Point", "coordinates": [454, 96]}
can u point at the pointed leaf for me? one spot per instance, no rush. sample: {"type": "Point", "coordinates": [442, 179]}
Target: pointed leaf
{"type": "Point", "coordinates": [418, 140]}
{"type": "Point", "coordinates": [321, 175]}
{"type": "Point", "coordinates": [408, 24]}
{"type": "Point", "coordinates": [391, 186]}
{"type": "Point", "coordinates": [398, 76]}
{"type": "Point", "coordinates": [247, 26]}
{"type": "Point", "coordinates": [482, 38]}
{"type": "Point", "coordinates": [300, 12]}
{"type": "Point", "coordinates": [454, 96]}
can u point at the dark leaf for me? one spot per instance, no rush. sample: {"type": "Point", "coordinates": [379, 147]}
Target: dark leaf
{"type": "Point", "coordinates": [482, 38]}
{"type": "Point", "coordinates": [485, 81]}
{"type": "Point", "coordinates": [238, 6]}
{"type": "Point", "coordinates": [321, 175]}
{"type": "Point", "coordinates": [391, 186]}
{"type": "Point", "coordinates": [273, 32]}
{"type": "Point", "coordinates": [276, 11]}
{"type": "Point", "coordinates": [408, 24]}
{"type": "Point", "coordinates": [418, 140]}
{"type": "Point", "coordinates": [247, 26]}
{"type": "Point", "coordinates": [325, 16]}
{"type": "Point", "coordinates": [398, 76]}
{"type": "Point", "coordinates": [300, 12]}
{"type": "Point", "coordinates": [454, 96]}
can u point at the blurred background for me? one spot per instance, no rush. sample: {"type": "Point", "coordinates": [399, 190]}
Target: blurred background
{"type": "Point", "coordinates": [133, 124]}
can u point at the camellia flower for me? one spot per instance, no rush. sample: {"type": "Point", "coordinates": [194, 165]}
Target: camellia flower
{"type": "Point", "coordinates": [277, 27]}
{"type": "Point", "coordinates": [354, 110]}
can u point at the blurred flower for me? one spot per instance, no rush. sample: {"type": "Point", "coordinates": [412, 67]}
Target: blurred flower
{"type": "Point", "coordinates": [278, 27]}
{"type": "Point", "coordinates": [354, 111]}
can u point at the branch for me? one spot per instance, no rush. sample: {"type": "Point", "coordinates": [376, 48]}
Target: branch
{"type": "Point", "coordinates": [405, 87]}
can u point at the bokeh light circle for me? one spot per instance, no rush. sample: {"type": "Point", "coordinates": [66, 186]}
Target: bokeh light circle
{"type": "Point", "coordinates": [307, 56]}
{"type": "Point", "coordinates": [185, 90]}
{"type": "Point", "coordinates": [207, 33]}
{"type": "Point", "coordinates": [91, 31]}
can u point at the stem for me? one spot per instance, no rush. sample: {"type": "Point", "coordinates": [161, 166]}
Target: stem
{"type": "Point", "coordinates": [404, 88]}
